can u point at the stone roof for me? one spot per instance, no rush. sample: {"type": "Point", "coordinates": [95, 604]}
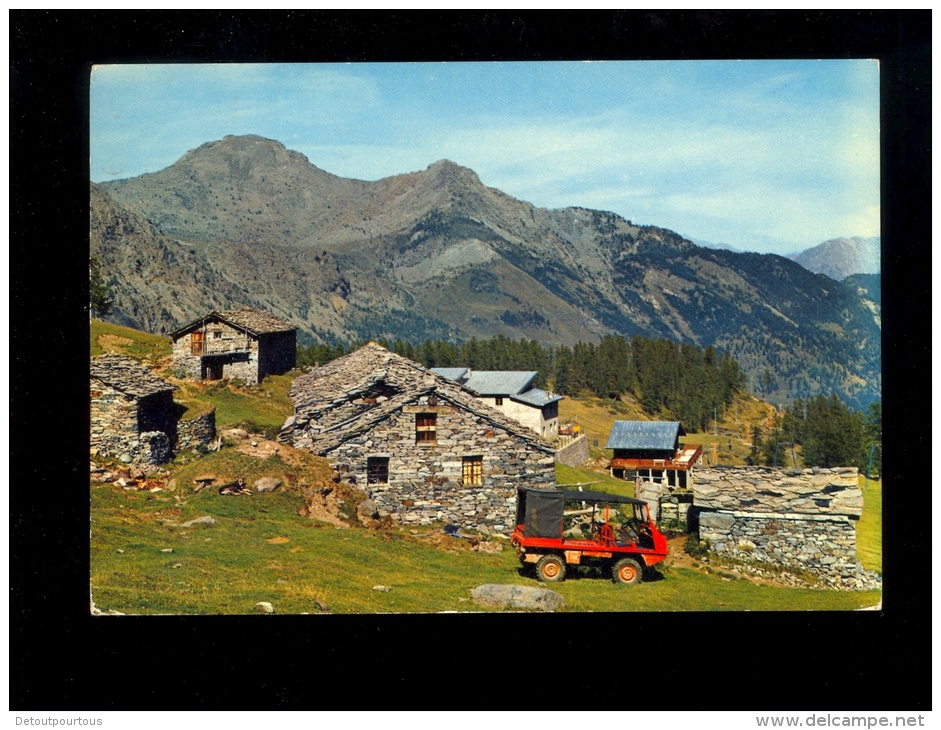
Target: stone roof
{"type": "Point", "coordinates": [127, 375]}
{"type": "Point", "coordinates": [254, 321]}
{"type": "Point", "coordinates": [644, 435]}
{"type": "Point", "coordinates": [451, 373]}
{"type": "Point", "coordinates": [379, 382]}
{"type": "Point", "coordinates": [536, 397]}
{"type": "Point", "coordinates": [500, 382]}
{"type": "Point", "coordinates": [765, 489]}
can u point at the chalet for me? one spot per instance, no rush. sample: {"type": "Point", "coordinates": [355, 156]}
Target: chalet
{"type": "Point", "coordinates": [651, 451]}
{"type": "Point", "coordinates": [512, 392]}
{"type": "Point", "coordinates": [246, 343]}
{"type": "Point", "coordinates": [422, 446]}
{"type": "Point", "coordinates": [132, 411]}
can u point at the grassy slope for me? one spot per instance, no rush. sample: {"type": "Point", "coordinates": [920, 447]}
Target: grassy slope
{"type": "Point", "coordinates": [261, 408]}
{"type": "Point", "coordinates": [596, 416]}
{"type": "Point", "coordinates": [869, 527]}
{"type": "Point", "coordinates": [261, 549]}
{"type": "Point", "coordinates": [113, 338]}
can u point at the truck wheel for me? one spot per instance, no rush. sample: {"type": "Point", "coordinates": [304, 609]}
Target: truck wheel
{"type": "Point", "coordinates": [627, 571]}
{"type": "Point", "coordinates": [550, 569]}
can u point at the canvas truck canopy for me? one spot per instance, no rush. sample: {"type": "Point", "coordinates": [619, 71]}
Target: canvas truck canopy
{"type": "Point", "coordinates": [540, 512]}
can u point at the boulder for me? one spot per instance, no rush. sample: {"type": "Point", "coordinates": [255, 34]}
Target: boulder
{"type": "Point", "coordinates": [716, 521]}
{"type": "Point", "coordinates": [199, 521]}
{"type": "Point", "coordinates": [267, 484]}
{"type": "Point", "coordinates": [368, 509]}
{"type": "Point", "coordinates": [524, 598]}
{"type": "Point", "coordinates": [264, 607]}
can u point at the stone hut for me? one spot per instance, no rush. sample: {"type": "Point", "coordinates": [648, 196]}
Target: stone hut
{"type": "Point", "coordinates": [801, 518]}
{"type": "Point", "coordinates": [132, 411]}
{"type": "Point", "coordinates": [423, 447]}
{"type": "Point", "coordinates": [246, 343]}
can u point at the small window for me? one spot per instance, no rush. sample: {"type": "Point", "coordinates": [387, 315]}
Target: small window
{"type": "Point", "coordinates": [426, 428]}
{"type": "Point", "coordinates": [473, 470]}
{"type": "Point", "coordinates": [217, 335]}
{"type": "Point", "coordinates": [377, 470]}
{"type": "Point", "coordinates": [498, 401]}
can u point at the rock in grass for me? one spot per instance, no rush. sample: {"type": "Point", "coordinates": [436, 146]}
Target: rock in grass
{"type": "Point", "coordinates": [518, 597]}
{"type": "Point", "coordinates": [264, 607]}
{"type": "Point", "coordinates": [207, 520]}
{"type": "Point", "coordinates": [267, 484]}
{"type": "Point", "coordinates": [384, 589]}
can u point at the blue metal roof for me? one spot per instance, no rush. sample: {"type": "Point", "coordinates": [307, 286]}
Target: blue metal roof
{"type": "Point", "coordinates": [451, 373]}
{"type": "Point", "coordinates": [646, 435]}
{"type": "Point", "coordinates": [500, 382]}
{"type": "Point", "coordinates": [536, 397]}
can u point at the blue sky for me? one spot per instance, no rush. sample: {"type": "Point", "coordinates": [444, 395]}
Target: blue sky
{"type": "Point", "coordinates": [769, 156]}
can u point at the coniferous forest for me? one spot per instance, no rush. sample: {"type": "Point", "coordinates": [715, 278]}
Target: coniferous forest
{"type": "Point", "coordinates": [689, 382]}
{"type": "Point", "coordinates": [686, 382]}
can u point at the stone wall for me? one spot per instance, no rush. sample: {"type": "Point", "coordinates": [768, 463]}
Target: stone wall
{"type": "Point", "coordinates": [195, 432]}
{"type": "Point", "coordinates": [574, 454]}
{"type": "Point", "coordinates": [426, 481]}
{"type": "Point", "coordinates": [115, 420]}
{"type": "Point", "coordinates": [666, 504]}
{"type": "Point", "coordinates": [823, 545]}
{"type": "Point", "coordinates": [219, 339]}
{"type": "Point", "coordinates": [801, 519]}
{"type": "Point", "coordinates": [520, 412]}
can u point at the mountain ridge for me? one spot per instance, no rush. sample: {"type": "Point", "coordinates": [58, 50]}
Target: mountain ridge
{"type": "Point", "coordinates": [436, 253]}
{"type": "Point", "coordinates": [839, 258]}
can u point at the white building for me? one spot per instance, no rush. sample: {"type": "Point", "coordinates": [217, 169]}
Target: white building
{"type": "Point", "coordinates": [511, 392]}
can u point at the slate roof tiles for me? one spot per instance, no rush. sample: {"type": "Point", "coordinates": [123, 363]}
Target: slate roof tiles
{"type": "Point", "coordinates": [127, 375]}
{"type": "Point", "coordinates": [348, 396]}
{"type": "Point", "coordinates": [255, 321]}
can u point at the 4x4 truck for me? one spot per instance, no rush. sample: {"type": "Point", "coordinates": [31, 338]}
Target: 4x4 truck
{"type": "Point", "coordinates": [617, 532]}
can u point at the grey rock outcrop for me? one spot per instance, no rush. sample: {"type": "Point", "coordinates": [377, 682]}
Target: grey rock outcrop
{"type": "Point", "coordinates": [523, 598]}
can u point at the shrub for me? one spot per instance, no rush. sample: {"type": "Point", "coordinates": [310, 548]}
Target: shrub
{"type": "Point", "coordinates": [697, 548]}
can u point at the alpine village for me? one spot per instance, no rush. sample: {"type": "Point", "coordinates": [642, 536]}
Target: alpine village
{"type": "Point", "coordinates": [312, 394]}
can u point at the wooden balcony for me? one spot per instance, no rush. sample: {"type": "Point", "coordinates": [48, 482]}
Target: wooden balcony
{"type": "Point", "coordinates": [683, 460]}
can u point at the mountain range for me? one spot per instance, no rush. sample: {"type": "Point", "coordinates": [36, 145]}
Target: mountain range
{"type": "Point", "coordinates": [842, 257]}
{"type": "Point", "coordinates": [243, 221]}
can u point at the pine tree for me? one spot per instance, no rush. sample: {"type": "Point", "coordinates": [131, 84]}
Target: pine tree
{"type": "Point", "coordinates": [99, 295]}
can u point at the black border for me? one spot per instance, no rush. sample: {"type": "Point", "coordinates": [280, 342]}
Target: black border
{"type": "Point", "coordinates": [63, 659]}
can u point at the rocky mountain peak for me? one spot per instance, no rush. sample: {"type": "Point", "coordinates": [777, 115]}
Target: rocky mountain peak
{"type": "Point", "coordinates": [435, 253]}
{"type": "Point", "coordinates": [839, 258]}
{"type": "Point", "coordinates": [445, 171]}
{"type": "Point", "coordinates": [242, 156]}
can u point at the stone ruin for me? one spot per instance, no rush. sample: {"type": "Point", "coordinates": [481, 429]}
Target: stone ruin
{"type": "Point", "coordinates": [804, 519]}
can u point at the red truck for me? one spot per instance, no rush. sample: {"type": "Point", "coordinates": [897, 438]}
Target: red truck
{"type": "Point", "coordinates": [617, 534]}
